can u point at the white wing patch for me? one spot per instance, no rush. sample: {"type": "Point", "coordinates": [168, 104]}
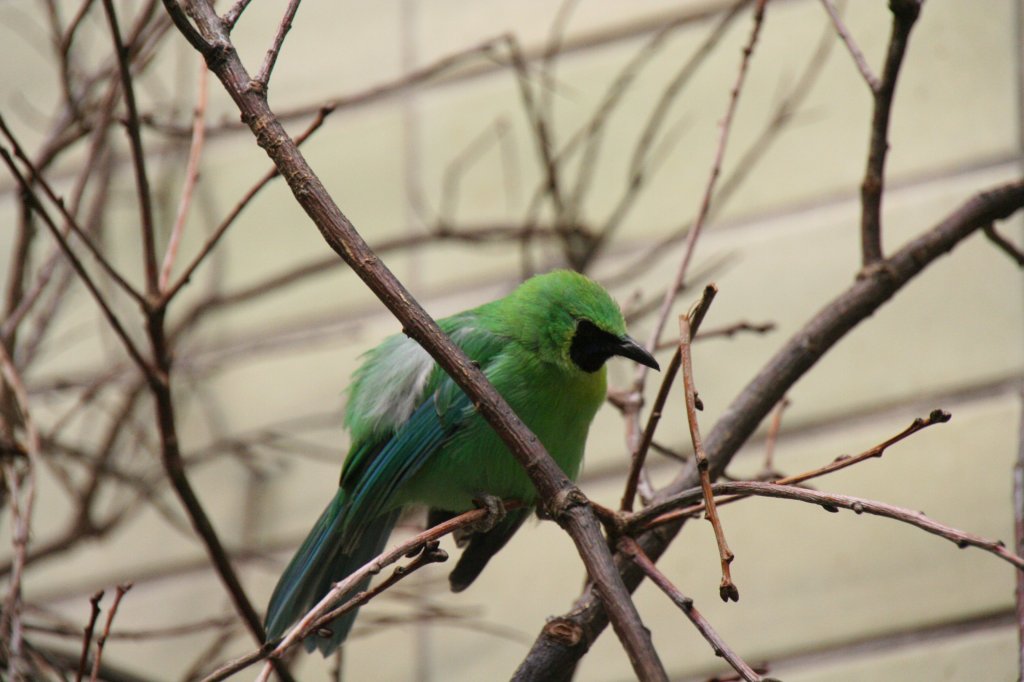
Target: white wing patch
{"type": "Point", "coordinates": [392, 391]}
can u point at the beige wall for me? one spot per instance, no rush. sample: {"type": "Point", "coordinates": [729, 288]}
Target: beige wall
{"type": "Point", "coordinates": [824, 596]}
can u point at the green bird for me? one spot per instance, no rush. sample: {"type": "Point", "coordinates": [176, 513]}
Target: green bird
{"type": "Point", "coordinates": [418, 440]}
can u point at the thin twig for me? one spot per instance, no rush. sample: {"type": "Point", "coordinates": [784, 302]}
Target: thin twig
{"type": "Point", "coordinates": [630, 548]}
{"type": "Point", "coordinates": [640, 373]}
{"type": "Point", "coordinates": [327, 610]}
{"type": "Point", "coordinates": [727, 590]}
{"type": "Point", "coordinates": [233, 214]}
{"type": "Point", "coordinates": [645, 517]}
{"type": "Point", "coordinates": [138, 155]}
{"type": "Point", "coordinates": [858, 56]}
{"type": "Point", "coordinates": [102, 640]}
{"type": "Point", "coordinates": [771, 438]}
{"type": "Point", "coordinates": [195, 153]}
{"type": "Point", "coordinates": [640, 455]}
{"type": "Point", "coordinates": [70, 222]}
{"type": "Point", "coordinates": [1011, 249]}
{"type": "Point", "coordinates": [642, 161]}
{"type": "Point", "coordinates": [232, 15]}
{"type": "Point", "coordinates": [540, 125]}
{"type": "Point", "coordinates": [262, 80]}
{"type": "Point", "coordinates": [904, 13]}
{"type": "Point", "coordinates": [1018, 535]}
{"type": "Point", "coordinates": [22, 498]}
{"type": "Point", "coordinates": [832, 502]}
{"type": "Point", "coordinates": [108, 312]}
{"type": "Point", "coordinates": [716, 169]}
{"type": "Point", "coordinates": [94, 614]}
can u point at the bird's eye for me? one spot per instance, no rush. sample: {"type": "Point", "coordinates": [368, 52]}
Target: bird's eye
{"type": "Point", "coordinates": [590, 345]}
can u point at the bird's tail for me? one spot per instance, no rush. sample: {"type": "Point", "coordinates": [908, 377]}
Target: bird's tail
{"type": "Point", "coordinates": [317, 565]}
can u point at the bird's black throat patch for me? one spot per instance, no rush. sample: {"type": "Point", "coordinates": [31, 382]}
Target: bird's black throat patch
{"type": "Point", "coordinates": [591, 346]}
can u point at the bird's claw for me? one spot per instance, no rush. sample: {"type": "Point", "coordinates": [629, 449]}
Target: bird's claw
{"type": "Point", "coordinates": [496, 513]}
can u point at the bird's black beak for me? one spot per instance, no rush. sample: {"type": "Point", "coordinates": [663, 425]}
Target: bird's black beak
{"type": "Point", "coordinates": [628, 347]}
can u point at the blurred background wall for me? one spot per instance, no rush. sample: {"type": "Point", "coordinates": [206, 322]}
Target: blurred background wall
{"type": "Point", "coordinates": [432, 152]}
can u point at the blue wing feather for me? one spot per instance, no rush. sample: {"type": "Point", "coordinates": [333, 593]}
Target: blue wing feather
{"type": "Point", "coordinates": [355, 525]}
{"type": "Point", "coordinates": [427, 430]}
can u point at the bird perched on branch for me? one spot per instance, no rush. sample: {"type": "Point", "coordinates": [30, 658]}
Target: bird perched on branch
{"type": "Point", "coordinates": [418, 440]}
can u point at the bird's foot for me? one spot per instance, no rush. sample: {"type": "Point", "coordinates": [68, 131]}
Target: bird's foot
{"type": "Point", "coordinates": [495, 514]}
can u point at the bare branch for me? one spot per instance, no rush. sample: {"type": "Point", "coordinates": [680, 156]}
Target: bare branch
{"type": "Point", "coordinates": [262, 80]}
{"type": "Point", "coordinates": [832, 502]}
{"type": "Point", "coordinates": [629, 547]}
{"type": "Point", "coordinates": [1018, 534]}
{"type": "Point", "coordinates": [716, 169]}
{"type": "Point", "coordinates": [138, 155]}
{"type": "Point", "coordinates": [195, 153]}
{"type": "Point", "coordinates": [232, 15]}
{"type": "Point", "coordinates": [904, 15]}
{"type": "Point", "coordinates": [102, 640]}
{"type": "Point", "coordinates": [727, 590]}
{"type": "Point", "coordinates": [94, 614]}
{"type": "Point", "coordinates": [651, 516]}
{"type": "Point", "coordinates": [233, 214]}
{"type": "Point", "coordinates": [22, 491]}
{"type": "Point", "coordinates": [108, 312]}
{"type": "Point", "coordinates": [71, 223]}
{"type": "Point", "coordinates": [639, 456]}
{"type": "Point", "coordinates": [851, 45]}
{"type": "Point", "coordinates": [1005, 244]}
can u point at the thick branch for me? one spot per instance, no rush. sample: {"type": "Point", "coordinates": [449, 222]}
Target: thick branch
{"type": "Point", "coordinates": [557, 649]}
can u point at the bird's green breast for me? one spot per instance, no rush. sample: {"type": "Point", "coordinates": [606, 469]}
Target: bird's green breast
{"type": "Point", "coordinates": [557, 405]}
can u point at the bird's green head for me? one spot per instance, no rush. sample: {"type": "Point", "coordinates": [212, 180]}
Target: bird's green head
{"type": "Point", "coordinates": [569, 320]}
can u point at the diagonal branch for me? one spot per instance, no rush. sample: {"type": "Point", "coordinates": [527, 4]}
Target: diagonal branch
{"type": "Point", "coordinates": [858, 57]}
{"type": "Point", "coordinates": [567, 638]}
{"type": "Point", "coordinates": [721, 648]}
{"type": "Point", "coordinates": [138, 155]}
{"type": "Point", "coordinates": [262, 80]}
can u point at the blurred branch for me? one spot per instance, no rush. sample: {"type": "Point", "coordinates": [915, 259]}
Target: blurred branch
{"type": "Point", "coordinates": [22, 491]}
{"type": "Point", "coordinates": [1018, 533]}
{"type": "Point", "coordinates": [1005, 244]}
{"type": "Point", "coordinates": [138, 155]}
{"type": "Point", "coordinates": [102, 640]}
{"type": "Point", "coordinates": [858, 57]}
{"type": "Point", "coordinates": [195, 153]}
{"type": "Point", "coordinates": [90, 626]}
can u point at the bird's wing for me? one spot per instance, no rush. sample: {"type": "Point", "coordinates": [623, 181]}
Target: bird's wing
{"type": "Point", "coordinates": [401, 457]}
{"type": "Point", "coordinates": [377, 467]}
